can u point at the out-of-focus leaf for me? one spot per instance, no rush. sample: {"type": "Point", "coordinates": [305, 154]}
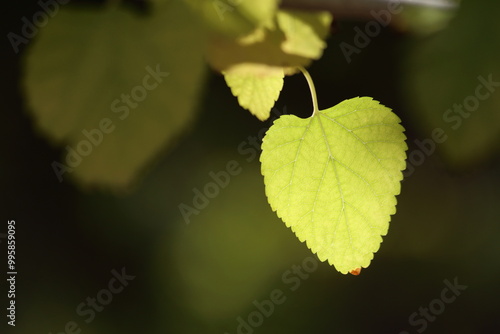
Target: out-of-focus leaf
{"type": "Point", "coordinates": [254, 64]}
{"type": "Point", "coordinates": [295, 41]}
{"type": "Point", "coordinates": [223, 52]}
{"type": "Point", "coordinates": [424, 21]}
{"type": "Point", "coordinates": [444, 76]}
{"type": "Point", "coordinates": [230, 251]}
{"type": "Point", "coordinates": [305, 32]}
{"type": "Point", "coordinates": [235, 18]}
{"type": "Point", "coordinates": [114, 86]}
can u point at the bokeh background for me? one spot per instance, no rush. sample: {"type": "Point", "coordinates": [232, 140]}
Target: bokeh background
{"type": "Point", "coordinates": [202, 276]}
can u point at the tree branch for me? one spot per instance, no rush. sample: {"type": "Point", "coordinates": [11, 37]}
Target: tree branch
{"type": "Point", "coordinates": [362, 8]}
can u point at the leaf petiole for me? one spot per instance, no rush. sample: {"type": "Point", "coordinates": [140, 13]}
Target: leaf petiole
{"type": "Point", "coordinates": [312, 89]}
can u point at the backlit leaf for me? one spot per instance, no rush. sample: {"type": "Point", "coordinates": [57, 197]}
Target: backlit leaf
{"type": "Point", "coordinates": [305, 32]}
{"type": "Point", "coordinates": [296, 40]}
{"type": "Point", "coordinates": [224, 53]}
{"type": "Point", "coordinates": [235, 17]}
{"type": "Point", "coordinates": [257, 93]}
{"type": "Point", "coordinates": [333, 178]}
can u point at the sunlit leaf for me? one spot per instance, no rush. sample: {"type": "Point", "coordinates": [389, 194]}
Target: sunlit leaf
{"type": "Point", "coordinates": [235, 17]}
{"type": "Point", "coordinates": [333, 178]}
{"type": "Point", "coordinates": [224, 53]}
{"type": "Point", "coordinates": [305, 32]}
{"type": "Point", "coordinates": [254, 64]}
{"type": "Point", "coordinates": [295, 41]}
{"type": "Point", "coordinates": [257, 93]}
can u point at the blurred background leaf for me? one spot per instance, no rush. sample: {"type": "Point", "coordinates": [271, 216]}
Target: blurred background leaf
{"type": "Point", "coordinates": [234, 18]}
{"type": "Point", "coordinates": [442, 72]}
{"type": "Point", "coordinates": [213, 263]}
{"type": "Point", "coordinates": [305, 32]}
{"type": "Point", "coordinates": [140, 75]}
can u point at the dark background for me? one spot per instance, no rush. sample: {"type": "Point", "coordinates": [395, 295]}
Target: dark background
{"type": "Point", "coordinates": [200, 277]}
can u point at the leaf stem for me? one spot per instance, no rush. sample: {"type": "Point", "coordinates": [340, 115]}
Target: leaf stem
{"type": "Point", "coordinates": [312, 89]}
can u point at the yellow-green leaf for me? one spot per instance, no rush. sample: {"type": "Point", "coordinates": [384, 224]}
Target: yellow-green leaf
{"type": "Point", "coordinates": [235, 17]}
{"type": "Point", "coordinates": [305, 32]}
{"type": "Point", "coordinates": [224, 53]}
{"type": "Point", "coordinates": [333, 178]}
{"type": "Point", "coordinates": [255, 92]}
{"type": "Point", "coordinates": [113, 88]}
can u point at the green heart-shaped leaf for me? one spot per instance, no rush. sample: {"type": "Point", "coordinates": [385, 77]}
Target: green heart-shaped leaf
{"type": "Point", "coordinates": [333, 178]}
